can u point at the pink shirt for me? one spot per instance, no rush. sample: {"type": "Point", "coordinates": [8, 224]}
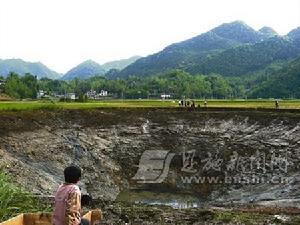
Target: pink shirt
{"type": "Point", "coordinates": [67, 205]}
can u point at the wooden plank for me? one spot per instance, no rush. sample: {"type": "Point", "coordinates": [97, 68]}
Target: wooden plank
{"type": "Point", "coordinates": [93, 216]}
{"type": "Point", "coordinates": [17, 220]}
{"type": "Point", "coordinates": [38, 219]}
{"type": "Point", "coordinates": [88, 216]}
{"type": "Point", "coordinates": [46, 218]}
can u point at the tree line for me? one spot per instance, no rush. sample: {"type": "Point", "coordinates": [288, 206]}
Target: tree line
{"type": "Point", "coordinates": [177, 83]}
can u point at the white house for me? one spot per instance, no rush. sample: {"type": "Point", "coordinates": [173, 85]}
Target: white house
{"type": "Point", "coordinates": [94, 95]}
{"type": "Point", "coordinates": [91, 94]}
{"type": "Point", "coordinates": [164, 96]}
{"type": "Point", "coordinates": [71, 96]}
{"type": "Point", "coordinates": [1, 85]}
{"type": "Point", "coordinates": [40, 94]}
{"type": "Point", "coordinates": [103, 93]}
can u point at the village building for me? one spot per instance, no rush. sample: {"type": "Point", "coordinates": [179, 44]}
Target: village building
{"type": "Point", "coordinates": [71, 96]}
{"type": "Point", "coordinates": [40, 94]}
{"type": "Point", "coordinates": [165, 96]}
{"type": "Point", "coordinates": [2, 83]}
{"type": "Point", "coordinates": [103, 93]}
{"type": "Point", "coordinates": [94, 95]}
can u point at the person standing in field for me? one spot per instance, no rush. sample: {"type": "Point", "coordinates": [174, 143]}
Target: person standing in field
{"type": "Point", "coordinates": [193, 104]}
{"type": "Point", "coordinates": [276, 104]}
{"type": "Point", "coordinates": [67, 209]}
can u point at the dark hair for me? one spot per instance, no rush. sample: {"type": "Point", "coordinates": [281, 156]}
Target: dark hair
{"type": "Point", "coordinates": [72, 174]}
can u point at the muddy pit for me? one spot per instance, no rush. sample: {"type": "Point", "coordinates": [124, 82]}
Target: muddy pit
{"type": "Point", "coordinates": [254, 155]}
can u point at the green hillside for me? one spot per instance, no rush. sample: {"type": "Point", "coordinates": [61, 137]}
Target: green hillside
{"type": "Point", "coordinates": [22, 67]}
{"type": "Point", "coordinates": [285, 83]}
{"type": "Point", "coordinates": [232, 49]}
{"type": "Point", "coordinates": [84, 70]}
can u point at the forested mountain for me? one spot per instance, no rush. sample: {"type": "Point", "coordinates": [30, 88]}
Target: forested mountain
{"type": "Point", "coordinates": [245, 59]}
{"type": "Point", "coordinates": [230, 49]}
{"type": "Point", "coordinates": [268, 31]}
{"type": "Point", "coordinates": [119, 64]}
{"type": "Point", "coordinates": [22, 67]}
{"type": "Point", "coordinates": [284, 83]}
{"type": "Point", "coordinates": [239, 32]}
{"type": "Point", "coordinates": [295, 35]}
{"type": "Point", "coordinates": [84, 70]}
{"type": "Point", "coordinates": [90, 68]}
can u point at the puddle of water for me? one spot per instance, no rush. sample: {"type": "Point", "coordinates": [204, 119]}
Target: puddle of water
{"type": "Point", "coordinates": [178, 201]}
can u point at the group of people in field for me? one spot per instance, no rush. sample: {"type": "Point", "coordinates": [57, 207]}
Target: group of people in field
{"type": "Point", "coordinates": [190, 103]}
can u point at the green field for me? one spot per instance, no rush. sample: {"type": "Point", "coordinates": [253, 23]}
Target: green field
{"type": "Point", "coordinates": [30, 105]}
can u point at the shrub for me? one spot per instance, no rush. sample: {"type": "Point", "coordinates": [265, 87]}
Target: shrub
{"type": "Point", "coordinates": [15, 200]}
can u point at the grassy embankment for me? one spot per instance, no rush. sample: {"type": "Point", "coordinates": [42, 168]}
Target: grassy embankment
{"type": "Point", "coordinates": [252, 104]}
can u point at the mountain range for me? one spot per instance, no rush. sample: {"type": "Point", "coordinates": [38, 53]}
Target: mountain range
{"type": "Point", "coordinates": [91, 68]}
{"type": "Point", "coordinates": [84, 70]}
{"type": "Point", "coordinates": [231, 49]}
{"type": "Point", "coordinates": [21, 67]}
{"type": "Point", "coordinates": [120, 64]}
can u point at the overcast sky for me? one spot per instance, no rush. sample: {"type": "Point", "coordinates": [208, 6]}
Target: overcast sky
{"type": "Point", "coordinates": [63, 33]}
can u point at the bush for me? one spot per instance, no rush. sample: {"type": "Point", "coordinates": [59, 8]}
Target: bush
{"type": "Point", "coordinates": [15, 200]}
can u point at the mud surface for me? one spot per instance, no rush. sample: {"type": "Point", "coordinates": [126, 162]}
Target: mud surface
{"type": "Point", "coordinates": [35, 146]}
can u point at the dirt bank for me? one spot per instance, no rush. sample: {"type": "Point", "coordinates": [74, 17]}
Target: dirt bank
{"type": "Point", "coordinates": [108, 143]}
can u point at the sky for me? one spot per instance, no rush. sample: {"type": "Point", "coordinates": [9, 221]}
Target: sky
{"type": "Point", "coordinates": [64, 33]}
